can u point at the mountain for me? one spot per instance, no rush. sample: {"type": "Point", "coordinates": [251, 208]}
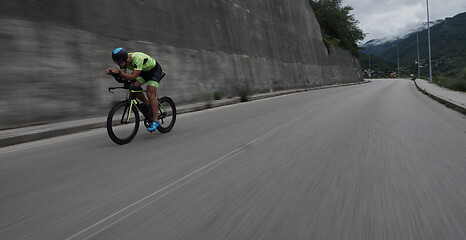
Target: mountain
{"type": "Point", "coordinates": [378, 46]}
{"type": "Point", "coordinates": [379, 68]}
{"type": "Point", "coordinates": [448, 41]}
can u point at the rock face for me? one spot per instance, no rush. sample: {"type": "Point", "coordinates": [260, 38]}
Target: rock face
{"type": "Point", "coordinates": [55, 52]}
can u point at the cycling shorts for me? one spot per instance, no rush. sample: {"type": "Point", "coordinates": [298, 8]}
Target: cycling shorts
{"type": "Point", "coordinates": [151, 77]}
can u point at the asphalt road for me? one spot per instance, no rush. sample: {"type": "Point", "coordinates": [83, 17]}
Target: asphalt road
{"type": "Point", "coordinates": [372, 161]}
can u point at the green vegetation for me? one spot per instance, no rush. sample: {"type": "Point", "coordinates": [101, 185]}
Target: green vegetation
{"type": "Point", "coordinates": [208, 100]}
{"type": "Point", "coordinates": [243, 92]}
{"type": "Point", "coordinates": [338, 26]}
{"type": "Point", "coordinates": [448, 47]}
{"type": "Point", "coordinates": [456, 83]}
{"type": "Point", "coordinates": [379, 67]}
{"type": "Point", "coordinates": [217, 95]}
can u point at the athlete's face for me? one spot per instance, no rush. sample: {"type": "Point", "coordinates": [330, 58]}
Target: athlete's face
{"type": "Point", "coordinates": [121, 64]}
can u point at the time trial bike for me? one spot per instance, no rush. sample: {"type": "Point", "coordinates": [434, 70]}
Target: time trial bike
{"type": "Point", "coordinates": [123, 119]}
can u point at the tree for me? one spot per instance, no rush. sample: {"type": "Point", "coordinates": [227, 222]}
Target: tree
{"type": "Point", "coordinates": [338, 26]}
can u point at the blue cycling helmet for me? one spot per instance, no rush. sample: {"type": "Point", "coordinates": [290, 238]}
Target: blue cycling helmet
{"type": "Point", "coordinates": [119, 55]}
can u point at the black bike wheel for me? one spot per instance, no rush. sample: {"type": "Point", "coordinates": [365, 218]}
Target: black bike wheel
{"type": "Point", "coordinates": [167, 114]}
{"type": "Point", "coordinates": [122, 124]}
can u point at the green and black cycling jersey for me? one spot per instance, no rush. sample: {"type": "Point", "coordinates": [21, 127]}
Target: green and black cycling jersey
{"type": "Point", "coordinates": [151, 71]}
{"type": "Point", "coordinates": [140, 61]}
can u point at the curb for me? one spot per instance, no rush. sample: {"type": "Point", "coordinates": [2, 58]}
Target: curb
{"type": "Point", "coordinates": [442, 101]}
{"type": "Point", "coordinates": [12, 137]}
{"type": "Point", "coordinates": [47, 134]}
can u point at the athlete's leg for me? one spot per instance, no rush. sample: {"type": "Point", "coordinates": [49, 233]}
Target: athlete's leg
{"type": "Point", "coordinates": [151, 92]}
{"type": "Point", "coordinates": [143, 98]}
{"type": "Point", "coordinates": [140, 96]}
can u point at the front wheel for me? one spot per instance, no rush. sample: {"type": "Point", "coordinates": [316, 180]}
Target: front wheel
{"type": "Point", "coordinates": [122, 122]}
{"type": "Point", "coordinates": [167, 114]}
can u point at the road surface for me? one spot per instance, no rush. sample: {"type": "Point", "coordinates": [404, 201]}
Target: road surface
{"type": "Point", "coordinates": [372, 161]}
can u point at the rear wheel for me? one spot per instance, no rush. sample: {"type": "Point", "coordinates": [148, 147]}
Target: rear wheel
{"type": "Point", "coordinates": [122, 123]}
{"type": "Point", "coordinates": [167, 114]}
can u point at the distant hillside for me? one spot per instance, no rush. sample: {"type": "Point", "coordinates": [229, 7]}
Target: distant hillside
{"type": "Point", "coordinates": [378, 67]}
{"type": "Point", "coordinates": [448, 40]}
{"type": "Point", "coordinates": [377, 47]}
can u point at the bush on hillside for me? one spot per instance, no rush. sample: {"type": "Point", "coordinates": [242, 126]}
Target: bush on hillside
{"type": "Point", "coordinates": [457, 84]}
{"type": "Point", "coordinates": [337, 25]}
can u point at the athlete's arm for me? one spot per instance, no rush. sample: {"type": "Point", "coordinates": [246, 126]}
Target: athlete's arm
{"type": "Point", "coordinates": [111, 71]}
{"type": "Point", "coordinates": [129, 76]}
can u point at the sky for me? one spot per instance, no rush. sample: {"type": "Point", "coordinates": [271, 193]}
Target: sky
{"type": "Point", "coordinates": [392, 18]}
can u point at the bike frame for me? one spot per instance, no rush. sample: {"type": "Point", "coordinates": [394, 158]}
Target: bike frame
{"type": "Point", "coordinates": [133, 101]}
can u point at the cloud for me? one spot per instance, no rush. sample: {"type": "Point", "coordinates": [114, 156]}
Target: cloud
{"type": "Point", "coordinates": [391, 18]}
{"type": "Point", "coordinates": [391, 23]}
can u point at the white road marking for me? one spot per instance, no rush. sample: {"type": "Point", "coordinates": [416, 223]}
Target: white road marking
{"type": "Point", "coordinates": [127, 211]}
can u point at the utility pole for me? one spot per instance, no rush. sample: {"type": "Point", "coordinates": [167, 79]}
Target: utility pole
{"type": "Point", "coordinates": [398, 59]}
{"type": "Point", "coordinates": [418, 64]}
{"type": "Point", "coordinates": [428, 33]}
{"type": "Point", "coordinates": [370, 73]}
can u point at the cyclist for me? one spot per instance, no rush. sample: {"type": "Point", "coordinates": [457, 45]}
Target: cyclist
{"type": "Point", "coordinates": [145, 69]}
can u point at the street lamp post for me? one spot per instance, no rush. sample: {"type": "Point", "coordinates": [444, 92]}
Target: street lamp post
{"type": "Point", "coordinates": [370, 73]}
{"type": "Point", "coordinates": [428, 33]}
{"type": "Point", "coordinates": [398, 59]}
{"type": "Point", "coordinates": [418, 64]}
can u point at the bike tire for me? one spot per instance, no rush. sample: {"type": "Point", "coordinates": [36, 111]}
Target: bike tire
{"type": "Point", "coordinates": [122, 128]}
{"type": "Point", "coordinates": [167, 114]}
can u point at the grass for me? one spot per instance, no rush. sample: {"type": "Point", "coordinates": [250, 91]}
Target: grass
{"type": "Point", "coordinates": [217, 95]}
{"type": "Point", "coordinates": [453, 84]}
{"type": "Point", "coordinates": [243, 92]}
{"type": "Point", "coordinates": [458, 83]}
{"type": "Point", "coordinates": [208, 100]}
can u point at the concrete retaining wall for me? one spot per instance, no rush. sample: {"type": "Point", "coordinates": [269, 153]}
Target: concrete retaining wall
{"type": "Point", "coordinates": [55, 52]}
